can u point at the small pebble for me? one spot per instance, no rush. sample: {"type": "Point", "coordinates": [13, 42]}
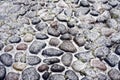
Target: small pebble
{"type": "Point", "coordinates": [43, 67]}
{"type": "Point", "coordinates": [41, 36]}
{"type": "Point", "coordinates": [57, 68]}
{"type": "Point", "coordinates": [8, 48]}
{"type": "Point", "coordinates": [28, 37]}
{"type": "Point", "coordinates": [19, 66]}
{"type": "Point", "coordinates": [14, 39]}
{"type": "Point", "coordinates": [21, 46]}
{"type": "Point", "coordinates": [54, 42]}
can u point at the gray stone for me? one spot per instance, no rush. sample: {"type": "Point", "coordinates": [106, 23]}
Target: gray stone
{"type": "Point", "coordinates": [54, 42]}
{"type": "Point", "coordinates": [84, 3]}
{"type": "Point", "coordinates": [6, 59]}
{"type": "Point", "coordinates": [66, 36]}
{"type": "Point", "coordinates": [71, 75]}
{"type": "Point", "coordinates": [101, 52]}
{"type": "Point", "coordinates": [102, 76]}
{"type": "Point", "coordinates": [36, 47]}
{"type": "Point", "coordinates": [73, 31]}
{"type": "Point", "coordinates": [12, 76]}
{"type": "Point", "coordinates": [85, 56]}
{"type": "Point", "coordinates": [81, 11]}
{"type": "Point", "coordinates": [41, 26]}
{"type": "Point", "coordinates": [114, 74]}
{"type": "Point", "coordinates": [52, 52]}
{"type": "Point", "coordinates": [1, 45]}
{"type": "Point", "coordinates": [78, 65]}
{"type": "Point", "coordinates": [117, 50]}
{"type": "Point", "coordinates": [112, 60]}
{"type": "Point", "coordinates": [115, 37]}
{"type": "Point", "coordinates": [112, 23]}
{"type": "Point", "coordinates": [56, 77]}
{"type": "Point", "coordinates": [50, 61]}
{"type": "Point", "coordinates": [2, 72]}
{"type": "Point", "coordinates": [103, 17]}
{"type": "Point", "coordinates": [33, 60]}
{"type": "Point", "coordinates": [57, 68]}
{"type": "Point", "coordinates": [14, 39]}
{"type": "Point", "coordinates": [62, 28]}
{"type": "Point", "coordinates": [41, 36]}
{"type": "Point", "coordinates": [79, 40]}
{"type": "Point", "coordinates": [113, 3]}
{"type": "Point", "coordinates": [67, 59]}
{"type": "Point", "coordinates": [67, 46]}
{"type": "Point", "coordinates": [35, 20]}
{"type": "Point", "coordinates": [62, 17]}
{"type": "Point", "coordinates": [46, 75]}
{"type": "Point", "coordinates": [20, 57]}
{"type": "Point", "coordinates": [53, 32]}
{"type": "Point", "coordinates": [30, 74]}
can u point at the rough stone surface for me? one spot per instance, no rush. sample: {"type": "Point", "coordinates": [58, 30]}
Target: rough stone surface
{"type": "Point", "coordinates": [67, 46]}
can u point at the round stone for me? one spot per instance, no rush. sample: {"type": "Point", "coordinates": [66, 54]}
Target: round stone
{"type": "Point", "coordinates": [57, 68]}
{"type": "Point", "coordinates": [6, 59]}
{"type": "Point", "coordinates": [67, 59]}
{"type": "Point", "coordinates": [56, 77]}
{"type": "Point", "coordinates": [33, 60]}
{"type": "Point", "coordinates": [43, 67]}
{"type": "Point", "coordinates": [114, 74]}
{"type": "Point", "coordinates": [2, 72]}
{"type": "Point", "coordinates": [20, 57]}
{"type": "Point", "coordinates": [41, 26]}
{"type": "Point", "coordinates": [71, 75]}
{"type": "Point", "coordinates": [67, 46]}
{"type": "Point", "coordinates": [36, 47]}
{"type": "Point", "coordinates": [46, 75]}
{"type": "Point", "coordinates": [19, 66]}
{"type": "Point", "coordinates": [66, 36]}
{"type": "Point", "coordinates": [98, 64]}
{"type": "Point", "coordinates": [28, 37]}
{"type": "Point", "coordinates": [53, 32]}
{"type": "Point", "coordinates": [21, 46]}
{"type": "Point", "coordinates": [14, 39]}
{"type": "Point", "coordinates": [78, 65]}
{"type": "Point", "coordinates": [41, 36]}
{"type": "Point", "coordinates": [8, 48]}
{"type": "Point", "coordinates": [12, 76]}
{"type": "Point", "coordinates": [30, 74]}
{"type": "Point", "coordinates": [54, 42]}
